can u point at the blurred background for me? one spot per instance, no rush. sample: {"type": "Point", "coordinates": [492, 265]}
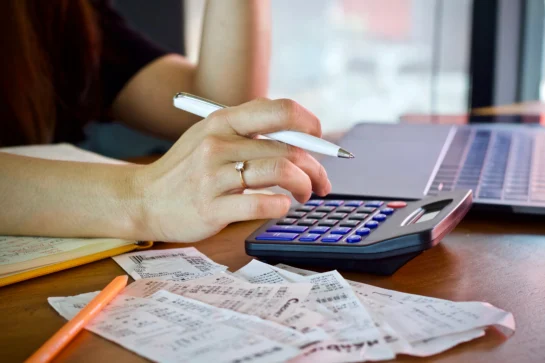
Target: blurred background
{"type": "Point", "coordinates": [352, 61]}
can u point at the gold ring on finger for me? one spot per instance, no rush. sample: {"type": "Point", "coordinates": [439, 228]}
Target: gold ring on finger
{"type": "Point", "coordinates": [240, 166]}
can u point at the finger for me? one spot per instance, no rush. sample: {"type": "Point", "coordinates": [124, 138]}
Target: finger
{"type": "Point", "coordinates": [245, 207]}
{"type": "Point", "coordinates": [242, 149]}
{"type": "Point", "coordinates": [263, 116]}
{"type": "Point", "coordinates": [264, 173]}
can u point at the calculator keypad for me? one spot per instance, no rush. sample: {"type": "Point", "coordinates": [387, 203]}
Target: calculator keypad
{"type": "Point", "coordinates": [330, 221]}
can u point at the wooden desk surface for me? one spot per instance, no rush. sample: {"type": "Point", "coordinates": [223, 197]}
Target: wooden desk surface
{"type": "Point", "coordinates": [501, 261]}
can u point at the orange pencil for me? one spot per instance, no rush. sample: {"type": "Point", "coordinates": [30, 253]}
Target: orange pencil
{"type": "Point", "coordinates": [61, 338]}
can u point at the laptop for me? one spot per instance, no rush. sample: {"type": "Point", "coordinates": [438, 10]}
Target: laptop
{"type": "Point", "coordinates": [503, 164]}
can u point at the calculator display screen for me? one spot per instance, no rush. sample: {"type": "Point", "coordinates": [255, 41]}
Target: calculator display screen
{"type": "Point", "coordinates": [428, 216]}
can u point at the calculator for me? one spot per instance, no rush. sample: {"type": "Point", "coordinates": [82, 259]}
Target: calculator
{"type": "Point", "coordinates": [357, 233]}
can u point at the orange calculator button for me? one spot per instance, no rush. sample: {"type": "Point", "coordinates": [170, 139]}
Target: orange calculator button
{"type": "Point", "coordinates": [397, 205]}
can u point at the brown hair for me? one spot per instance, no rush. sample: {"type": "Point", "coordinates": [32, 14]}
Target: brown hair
{"type": "Point", "coordinates": [50, 59]}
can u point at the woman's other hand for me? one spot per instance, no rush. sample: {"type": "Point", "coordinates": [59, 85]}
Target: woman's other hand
{"type": "Point", "coordinates": [194, 190]}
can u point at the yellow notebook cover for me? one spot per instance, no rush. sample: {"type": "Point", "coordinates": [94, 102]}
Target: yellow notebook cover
{"type": "Point", "coordinates": [45, 270]}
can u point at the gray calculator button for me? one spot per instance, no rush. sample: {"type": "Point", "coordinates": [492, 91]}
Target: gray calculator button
{"type": "Point", "coordinates": [359, 216]}
{"type": "Point", "coordinates": [316, 215]}
{"type": "Point", "coordinates": [325, 208]}
{"type": "Point", "coordinates": [345, 209]}
{"type": "Point", "coordinates": [307, 222]}
{"type": "Point", "coordinates": [352, 223]}
{"type": "Point", "coordinates": [366, 210]}
{"type": "Point", "coordinates": [286, 221]}
{"type": "Point", "coordinates": [337, 215]}
{"type": "Point", "coordinates": [328, 222]}
{"type": "Point", "coordinates": [296, 214]}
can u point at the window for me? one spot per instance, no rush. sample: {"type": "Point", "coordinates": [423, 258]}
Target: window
{"type": "Point", "coordinates": [365, 60]}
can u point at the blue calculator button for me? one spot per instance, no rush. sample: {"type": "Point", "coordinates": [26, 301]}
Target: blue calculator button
{"type": "Point", "coordinates": [334, 203]}
{"type": "Point", "coordinates": [374, 203]}
{"type": "Point", "coordinates": [309, 238]}
{"type": "Point", "coordinates": [320, 230]}
{"type": "Point", "coordinates": [341, 230]}
{"type": "Point", "coordinates": [315, 202]}
{"type": "Point", "coordinates": [371, 224]}
{"type": "Point", "coordinates": [353, 203]}
{"type": "Point", "coordinates": [277, 236]}
{"type": "Point", "coordinates": [332, 238]}
{"type": "Point", "coordinates": [363, 231]}
{"type": "Point", "coordinates": [283, 228]}
{"type": "Point", "coordinates": [379, 217]}
{"type": "Point", "coordinates": [353, 239]}
{"type": "Point", "coordinates": [387, 211]}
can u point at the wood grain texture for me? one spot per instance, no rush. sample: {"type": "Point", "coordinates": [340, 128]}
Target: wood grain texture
{"type": "Point", "coordinates": [502, 262]}
{"type": "Point", "coordinates": [498, 259]}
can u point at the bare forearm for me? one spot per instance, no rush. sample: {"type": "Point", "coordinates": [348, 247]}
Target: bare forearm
{"type": "Point", "coordinates": [66, 199]}
{"type": "Point", "coordinates": [235, 49]}
{"type": "Point", "coordinates": [233, 68]}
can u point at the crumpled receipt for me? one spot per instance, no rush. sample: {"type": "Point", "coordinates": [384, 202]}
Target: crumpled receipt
{"type": "Point", "coordinates": [177, 264]}
{"type": "Point", "coordinates": [411, 324]}
{"type": "Point", "coordinates": [170, 328]}
{"type": "Point", "coordinates": [264, 313]}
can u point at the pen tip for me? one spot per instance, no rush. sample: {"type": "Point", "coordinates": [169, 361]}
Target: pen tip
{"type": "Point", "coordinates": [342, 153]}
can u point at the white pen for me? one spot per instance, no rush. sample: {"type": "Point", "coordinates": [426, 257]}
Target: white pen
{"type": "Point", "coordinates": [203, 107]}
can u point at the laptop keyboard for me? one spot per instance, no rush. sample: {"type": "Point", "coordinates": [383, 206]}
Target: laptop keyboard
{"type": "Point", "coordinates": [496, 165]}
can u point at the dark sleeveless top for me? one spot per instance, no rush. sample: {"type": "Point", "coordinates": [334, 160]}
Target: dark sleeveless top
{"type": "Point", "coordinates": [124, 53]}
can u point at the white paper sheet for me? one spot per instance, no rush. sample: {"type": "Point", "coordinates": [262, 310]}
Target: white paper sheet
{"type": "Point", "coordinates": [295, 270]}
{"type": "Point", "coordinates": [23, 253]}
{"type": "Point", "coordinates": [18, 249]}
{"type": "Point", "coordinates": [249, 323]}
{"type": "Point", "coordinates": [267, 301]}
{"type": "Point", "coordinates": [426, 321]}
{"type": "Point", "coordinates": [377, 299]}
{"type": "Point", "coordinates": [177, 264]}
{"type": "Point", "coordinates": [346, 319]}
{"type": "Point", "coordinates": [69, 306]}
{"type": "Point", "coordinates": [257, 272]}
{"type": "Point", "coordinates": [328, 318]}
{"type": "Point", "coordinates": [165, 332]}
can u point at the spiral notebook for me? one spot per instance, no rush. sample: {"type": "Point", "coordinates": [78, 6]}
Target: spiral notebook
{"type": "Point", "coordinates": [23, 258]}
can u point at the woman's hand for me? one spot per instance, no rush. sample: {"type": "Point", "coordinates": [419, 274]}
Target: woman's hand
{"type": "Point", "coordinates": [194, 190]}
